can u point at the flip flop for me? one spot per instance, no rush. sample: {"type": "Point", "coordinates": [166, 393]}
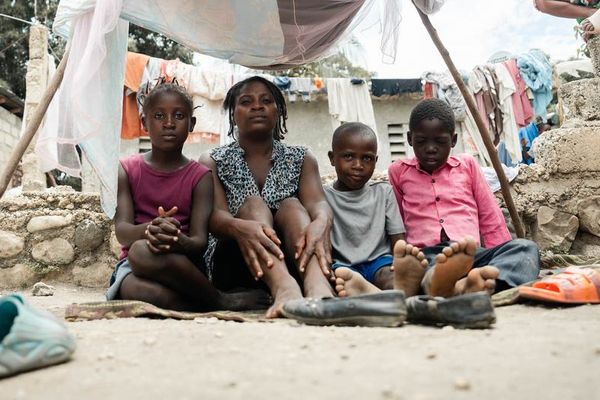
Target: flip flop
{"type": "Point", "coordinates": [385, 309]}
{"type": "Point", "coordinates": [572, 286]}
{"type": "Point", "coordinates": [467, 311]}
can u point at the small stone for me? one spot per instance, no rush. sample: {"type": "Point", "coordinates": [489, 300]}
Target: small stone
{"type": "Point", "coordinates": [10, 244]}
{"type": "Point", "coordinates": [19, 276]}
{"type": "Point", "coordinates": [150, 341]}
{"type": "Point", "coordinates": [45, 222]}
{"type": "Point", "coordinates": [555, 230]}
{"type": "Point", "coordinates": [96, 275]}
{"type": "Point", "coordinates": [597, 351]}
{"type": "Point", "coordinates": [448, 328]}
{"type": "Point", "coordinates": [344, 357]}
{"type": "Point", "coordinates": [588, 211]}
{"type": "Point", "coordinates": [88, 236]}
{"type": "Point", "coordinates": [219, 335]}
{"type": "Point", "coordinates": [462, 384]}
{"type": "Point", "coordinates": [431, 356]}
{"type": "Point", "coordinates": [64, 202]}
{"type": "Point", "coordinates": [55, 251]}
{"type": "Point", "coordinates": [41, 289]}
{"type": "Point", "coordinates": [304, 346]}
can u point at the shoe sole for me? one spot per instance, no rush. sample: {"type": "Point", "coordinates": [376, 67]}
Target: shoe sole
{"type": "Point", "coordinates": [368, 321]}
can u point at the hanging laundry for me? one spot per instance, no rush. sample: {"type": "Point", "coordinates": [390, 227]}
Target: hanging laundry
{"type": "Point", "coordinates": [208, 89]}
{"type": "Point", "coordinates": [428, 90]}
{"type": "Point", "coordinates": [536, 71]}
{"type": "Point", "coordinates": [510, 131]}
{"type": "Point", "coordinates": [527, 135]}
{"type": "Point", "coordinates": [448, 91]}
{"type": "Point", "coordinates": [131, 124]}
{"type": "Point", "coordinates": [350, 103]}
{"type": "Point", "coordinates": [392, 87]}
{"type": "Point", "coordinates": [482, 82]}
{"type": "Point", "coordinates": [302, 87]}
{"type": "Point", "coordinates": [521, 104]}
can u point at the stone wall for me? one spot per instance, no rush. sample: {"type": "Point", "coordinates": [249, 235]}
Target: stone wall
{"type": "Point", "coordinates": [10, 127]}
{"type": "Point", "coordinates": [559, 195]}
{"type": "Point", "coordinates": [57, 234]}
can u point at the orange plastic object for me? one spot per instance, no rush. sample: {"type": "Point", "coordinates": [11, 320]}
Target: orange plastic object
{"type": "Point", "coordinates": [572, 286]}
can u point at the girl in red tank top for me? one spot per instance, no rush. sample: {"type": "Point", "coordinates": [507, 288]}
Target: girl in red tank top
{"type": "Point", "coordinates": [164, 202]}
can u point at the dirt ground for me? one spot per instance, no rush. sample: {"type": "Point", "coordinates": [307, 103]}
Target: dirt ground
{"type": "Point", "coordinates": [533, 352]}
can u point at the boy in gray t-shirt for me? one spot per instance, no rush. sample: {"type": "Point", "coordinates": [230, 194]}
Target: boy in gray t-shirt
{"type": "Point", "coordinates": [366, 219]}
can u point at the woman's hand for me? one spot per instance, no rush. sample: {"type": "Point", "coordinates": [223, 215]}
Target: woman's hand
{"type": "Point", "coordinates": [256, 241]}
{"type": "Point", "coordinates": [316, 241]}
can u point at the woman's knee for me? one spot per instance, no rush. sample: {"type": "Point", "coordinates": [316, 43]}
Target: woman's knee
{"type": "Point", "coordinates": [254, 208]}
{"type": "Point", "coordinates": [291, 212]}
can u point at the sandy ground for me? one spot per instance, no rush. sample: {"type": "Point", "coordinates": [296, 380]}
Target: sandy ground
{"type": "Point", "coordinates": [533, 352]}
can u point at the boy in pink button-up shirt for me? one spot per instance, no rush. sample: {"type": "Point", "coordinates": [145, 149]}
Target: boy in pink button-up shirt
{"type": "Point", "coordinates": [447, 206]}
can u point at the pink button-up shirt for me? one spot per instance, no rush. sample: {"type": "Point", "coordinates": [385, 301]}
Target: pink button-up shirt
{"type": "Point", "coordinates": [455, 197]}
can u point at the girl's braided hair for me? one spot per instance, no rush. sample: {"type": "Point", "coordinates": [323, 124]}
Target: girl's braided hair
{"type": "Point", "coordinates": [164, 85]}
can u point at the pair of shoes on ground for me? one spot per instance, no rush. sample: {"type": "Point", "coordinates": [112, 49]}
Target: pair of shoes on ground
{"type": "Point", "coordinates": [389, 308]}
{"type": "Point", "coordinates": [30, 338]}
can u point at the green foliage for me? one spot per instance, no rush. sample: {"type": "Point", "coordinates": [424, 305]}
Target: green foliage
{"type": "Point", "coordinates": [335, 66]}
{"type": "Point", "coordinates": [14, 40]}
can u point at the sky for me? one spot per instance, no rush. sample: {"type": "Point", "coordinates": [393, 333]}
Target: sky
{"type": "Point", "coordinates": [471, 30]}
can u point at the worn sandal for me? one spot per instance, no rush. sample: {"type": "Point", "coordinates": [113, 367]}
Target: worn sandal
{"type": "Point", "coordinates": [471, 310]}
{"type": "Point", "coordinates": [386, 309]}
{"type": "Point", "coordinates": [572, 286]}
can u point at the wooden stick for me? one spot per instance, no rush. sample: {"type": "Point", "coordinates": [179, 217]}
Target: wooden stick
{"type": "Point", "coordinates": [33, 125]}
{"type": "Point", "coordinates": [504, 185]}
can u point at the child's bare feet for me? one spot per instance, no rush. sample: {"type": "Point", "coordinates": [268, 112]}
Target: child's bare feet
{"type": "Point", "coordinates": [452, 264]}
{"type": "Point", "coordinates": [350, 283]}
{"type": "Point", "coordinates": [409, 267]}
{"type": "Point", "coordinates": [478, 280]}
{"type": "Point", "coordinates": [282, 295]}
{"type": "Point", "coordinates": [256, 299]}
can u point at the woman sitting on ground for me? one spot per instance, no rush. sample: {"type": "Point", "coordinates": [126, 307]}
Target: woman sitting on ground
{"type": "Point", "coordinates": [270, 211]}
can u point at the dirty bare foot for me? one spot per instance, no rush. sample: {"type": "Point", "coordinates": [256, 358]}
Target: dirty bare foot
{"type": "Point", "coordinates": [256, 299]}
{"type": "Point", "coordinates": [452, 264]}
{"type": "Point", "coordinates": [282, 295]}
{"type": "Point", "coordinates": [478, 280]}
{"type": "Point", "coordinates": [350, 283]}
{"type": "Point", "coordinates": [409, 267]}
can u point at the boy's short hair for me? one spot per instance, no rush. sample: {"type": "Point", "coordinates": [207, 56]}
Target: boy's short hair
{"type": "Point", "coordinates": [430, 109]}
{"type": "Point", "coordinates": [351, 127]}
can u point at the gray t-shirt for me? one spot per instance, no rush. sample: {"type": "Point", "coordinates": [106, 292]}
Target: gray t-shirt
{"type": "Point", "coordinates": [363, 220]}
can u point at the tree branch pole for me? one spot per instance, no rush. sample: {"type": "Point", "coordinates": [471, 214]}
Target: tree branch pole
{"type": "Point", "coordinates": [33, 125]}
{"type": "Point", "coordinates": [504, 185]}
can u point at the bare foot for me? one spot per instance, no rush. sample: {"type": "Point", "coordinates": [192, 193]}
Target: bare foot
{"type": "Point", "coordinates": [452, 264]}
{"type": "Point", "coordinates": [281, 296]}
{"type": "Point", "coordinates": [478, 280]}
{"type": "Point", "coordinates": [256, 299]}
{"type": "Point", "coordinates": [350, 283]}
{"type": "Point", "coordinates": [409, 267]}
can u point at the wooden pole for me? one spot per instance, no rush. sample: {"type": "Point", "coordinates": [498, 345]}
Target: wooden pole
{"type": "Point", "coordinates": [34, 124]}
{"type": "Point", "coordinates": [504, 185]}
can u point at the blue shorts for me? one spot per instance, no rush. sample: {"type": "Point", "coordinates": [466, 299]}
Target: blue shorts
{"type": "Point", "coordinates": [122, 269]}
{"type": "Point", "coordinates": [368, 269]}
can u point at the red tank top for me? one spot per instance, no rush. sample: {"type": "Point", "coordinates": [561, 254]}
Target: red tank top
{"type": "Point", "coordinates": [151, 188]}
